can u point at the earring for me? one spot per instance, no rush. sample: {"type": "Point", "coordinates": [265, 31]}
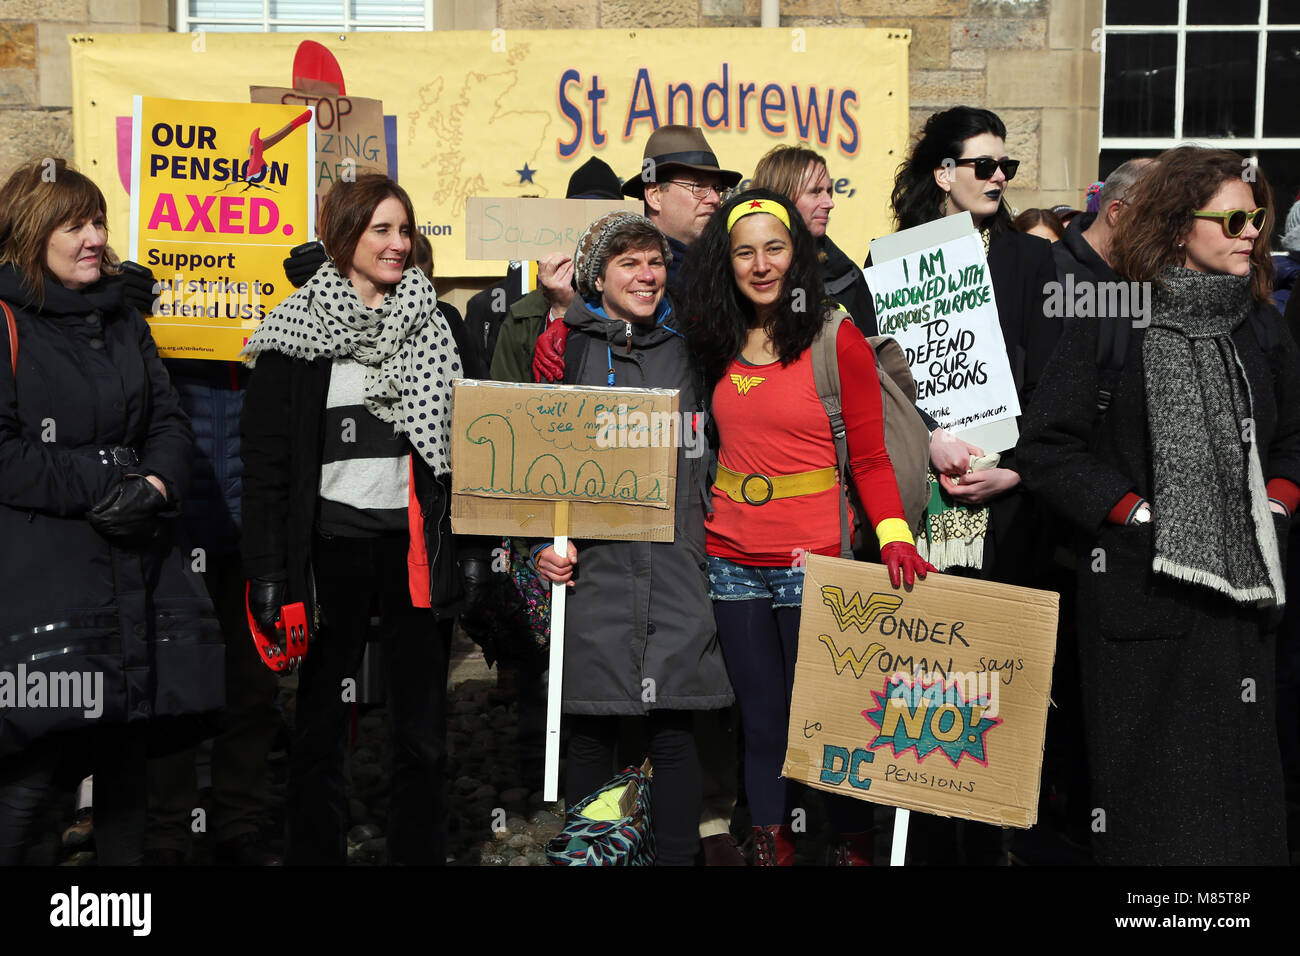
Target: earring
{"type": "Point", "coordinates": [945, 204]}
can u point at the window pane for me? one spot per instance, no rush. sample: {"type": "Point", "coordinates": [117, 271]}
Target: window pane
{"type": "Point", "coordinates": [242, 9]}
{"type": "Point", "coordinates": [315, 11]}
{"type": "Point", "coordinates": [1141, 11]}
{"type": "Point", "coordinates": [1219, 84]}
{"type": "Point", "coordinates": [1222, 11]}
{"type": "Point", "coordinates": [1139, 84]}
{"type": "Point", "coordinates": [1281, 80]}
{"type": "Point", "coordinates": [1284, 11]}
{"type": "Point", "coordinates": [388, 11]}
{"type": "Point", "coordinates": [227, 27]}
{"type": "Point", "coordinates": [1109, 159]}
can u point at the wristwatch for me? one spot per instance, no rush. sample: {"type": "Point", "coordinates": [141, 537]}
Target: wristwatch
{"type": "Point", "coordinates": [1142, 514]}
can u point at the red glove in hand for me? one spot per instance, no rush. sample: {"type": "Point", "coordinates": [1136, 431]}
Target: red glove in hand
{"type": "Point", "coordinates": [548, 354]}
{"type": "Point", "coordinates": [899, 556]}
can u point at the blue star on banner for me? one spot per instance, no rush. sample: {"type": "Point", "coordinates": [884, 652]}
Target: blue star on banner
{"type": "Point", "coordinates": [525, 174]}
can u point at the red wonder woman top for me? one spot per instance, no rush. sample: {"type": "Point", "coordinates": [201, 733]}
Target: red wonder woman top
{"type": "Point", "coordinates": [771, 422]}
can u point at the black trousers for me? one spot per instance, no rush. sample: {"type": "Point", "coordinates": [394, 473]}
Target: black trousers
{"type": "Point", "coordinates": [675, 790]}
{"type": "Point", "coordinates": [239, 796]}
{"type": "Point", "coordinates": [116, 757]}
{"type": "Point", "coordinates": [349, 573]}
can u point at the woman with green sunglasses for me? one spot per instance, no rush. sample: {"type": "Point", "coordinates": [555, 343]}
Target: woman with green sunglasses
{"type": "Point", "coordinates": [1184, 489]}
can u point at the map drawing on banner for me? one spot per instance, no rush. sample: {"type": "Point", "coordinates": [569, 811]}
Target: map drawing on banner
{"type": "Point", "coordinates": [514, 113]}
{"type": "Point", "coordinates": [611, 453]}
{"type": "Point", "coordinates": [933, 294]}
{"type": "Point", "coordinates": [220, 192]}
{"type": "Point", "coordinates": [931, 699]}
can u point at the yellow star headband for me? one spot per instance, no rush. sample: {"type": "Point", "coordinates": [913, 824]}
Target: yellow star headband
{"type": "Point", "coordinates": [758, 205]}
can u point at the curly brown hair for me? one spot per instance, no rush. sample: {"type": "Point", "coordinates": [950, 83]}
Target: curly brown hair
{"type": "Point", "coordinates": [1157, 213]}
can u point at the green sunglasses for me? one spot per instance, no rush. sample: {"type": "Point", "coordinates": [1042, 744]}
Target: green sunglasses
{"type": "Point", "coordinates": [1234, 221]}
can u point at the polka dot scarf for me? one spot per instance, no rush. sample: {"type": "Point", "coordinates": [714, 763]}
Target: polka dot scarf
{"type": "Point", "coordinates": [405, 345]}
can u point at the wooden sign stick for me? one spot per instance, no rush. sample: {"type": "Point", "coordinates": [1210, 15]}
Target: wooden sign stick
{"type": "Point", "coordinates": [555, 681]}
{"type": "Point", "coordinates": [898, 848]}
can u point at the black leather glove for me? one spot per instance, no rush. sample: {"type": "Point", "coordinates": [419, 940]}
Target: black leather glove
{"type": "Point", "coordinates": [266, 596]}
{"type": "Point", "coordinates": [477, 573]}
{"type": "Point", "coordinates": [303, 262]}
{"type": "Point", "coordinates": [138, 285]}
{"type": "Point", "coordinates": [130, 511]}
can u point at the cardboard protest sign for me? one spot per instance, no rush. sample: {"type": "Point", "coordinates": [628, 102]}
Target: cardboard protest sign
{"type": "Point", "coordinates": [933, 293]}
{"type": "Point", "coordinates": [349, 131]}
{"type": "Point", "coordinates": [933, 699]}
{"type": "Point", "coordinates": [220, 192]}
{"type": "Point", "coordinates": [524, 229]}
{"type": "Point", "coordinates": [610, 453]}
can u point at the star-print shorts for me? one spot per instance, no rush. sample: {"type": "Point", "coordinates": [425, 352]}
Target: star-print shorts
{"type": "Point", "coordinates": [729, 581]}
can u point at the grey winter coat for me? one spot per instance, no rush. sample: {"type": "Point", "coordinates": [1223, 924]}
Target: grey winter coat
{"type": "Point", "coordinates": [639, 629]}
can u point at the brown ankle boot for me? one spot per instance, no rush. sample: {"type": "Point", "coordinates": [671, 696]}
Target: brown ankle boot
{"type": "Point", "coordinates": [852, 849]}
{"type": "Point", "coordinates": [773, 846]}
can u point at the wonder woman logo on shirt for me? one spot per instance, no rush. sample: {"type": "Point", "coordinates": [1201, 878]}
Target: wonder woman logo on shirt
{"type": "Point", "coordinates": [744, 383]}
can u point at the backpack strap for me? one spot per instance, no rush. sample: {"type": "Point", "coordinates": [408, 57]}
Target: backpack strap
{"type": "Point", "coordinates": [826, 376]}
{"type": "Point", "coordinates": [13, 336]}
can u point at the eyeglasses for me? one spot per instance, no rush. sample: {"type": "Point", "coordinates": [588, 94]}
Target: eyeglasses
{"type": "Point", "coordinates": [1234, 221]}
{"type": "Point", "coordinates": [700, 190]}
{"type": "Point", "coordinates": [985, 165]}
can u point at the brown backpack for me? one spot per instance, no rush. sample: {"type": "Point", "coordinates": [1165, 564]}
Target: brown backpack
{"type": "Point", "coordinates": [907, 440]}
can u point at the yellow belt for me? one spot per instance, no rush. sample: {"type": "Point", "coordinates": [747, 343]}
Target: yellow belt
{"type": "Point", "coordinates": [756, 489]}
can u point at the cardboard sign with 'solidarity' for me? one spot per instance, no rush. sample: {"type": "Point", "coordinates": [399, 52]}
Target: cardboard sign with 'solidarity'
{"type": "Point", "coordinates": [611, 453]}
{"type": "Point", "coordinates": [931, 699]}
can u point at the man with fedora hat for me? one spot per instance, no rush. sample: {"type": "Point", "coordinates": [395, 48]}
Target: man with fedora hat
{"type": "Point", "coordinates": [682, 186]}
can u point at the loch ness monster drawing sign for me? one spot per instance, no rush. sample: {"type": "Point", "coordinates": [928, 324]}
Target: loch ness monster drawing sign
{"type": "Point", "coordinates": [610, 453]}
{"type": "Point", "coordinates": [931, 699]}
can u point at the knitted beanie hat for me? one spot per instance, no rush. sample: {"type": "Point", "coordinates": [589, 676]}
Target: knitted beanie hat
{"type": "Point", "coordinates": [1291, 239]}
{"type": "Point", "coordinates": [593, 248]}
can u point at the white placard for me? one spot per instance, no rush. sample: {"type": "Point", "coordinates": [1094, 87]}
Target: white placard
{"type": "Point", "coordinates": [933, 293]}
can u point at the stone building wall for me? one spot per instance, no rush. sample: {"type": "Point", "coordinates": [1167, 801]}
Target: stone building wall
{"type": "Point", "coordinates": [1031, 61]}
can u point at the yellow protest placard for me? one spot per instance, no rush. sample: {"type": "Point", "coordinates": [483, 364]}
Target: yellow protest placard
{"type": "Point", "coordinates": [514, 113]}
{"type": "Point", "coordinates": [931, 699]}
{"type": "Point", "coordinates": [220, 193]}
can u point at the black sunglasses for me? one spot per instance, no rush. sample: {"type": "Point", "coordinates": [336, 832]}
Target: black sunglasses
{"type": "Point", "coordinates": [985, 165]}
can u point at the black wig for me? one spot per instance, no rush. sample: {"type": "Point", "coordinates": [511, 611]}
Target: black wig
{"type": "Point", "coordinates": [917, 198]}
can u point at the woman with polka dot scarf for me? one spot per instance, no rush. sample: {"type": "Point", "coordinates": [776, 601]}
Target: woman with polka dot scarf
{"type": "Point", "coordinates": [345, 437]}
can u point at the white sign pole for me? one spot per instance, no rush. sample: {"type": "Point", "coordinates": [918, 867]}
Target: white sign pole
{"type": "Point", "coordinates": [555, 681]}
{"type": "Point", "coordinates": [898, 849]}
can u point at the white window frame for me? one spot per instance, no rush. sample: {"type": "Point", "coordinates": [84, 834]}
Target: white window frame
{"type": "Point", "coordinates": [266, 21]}
{"type": "Point", "coordinates": [1242, 144]}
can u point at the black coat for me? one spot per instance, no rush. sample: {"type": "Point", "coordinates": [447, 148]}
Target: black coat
{"type": "Point", "coordinates": [1074, 256]}
{"type": "Point", "coordinates": [640, 610]}
{"type": "Point", "coordinates": [1184, 764]}
{"type": "Point", "coordinates": [847, 286]}
{"type": "Point", "coordinates": [282, 443]}
{"type": "Point", "coordinates": [88, 379]}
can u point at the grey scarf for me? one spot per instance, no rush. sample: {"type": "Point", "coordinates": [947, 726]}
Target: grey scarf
{"type": "Point", "coordinates": [1213, 526]}
{"type": "Point", "coordinates": [405, 344]}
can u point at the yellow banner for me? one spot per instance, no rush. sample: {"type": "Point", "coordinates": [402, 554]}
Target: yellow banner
{"type": "Point", "coordinates": [514, 112]}
{"type": "Point", "coordinates": [220, 193]}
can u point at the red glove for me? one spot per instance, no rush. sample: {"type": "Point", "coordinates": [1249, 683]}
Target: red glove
{"type": "Point", "coordinates": [899, 556]}
{"type": "Point", "coordinates": [548, 354]}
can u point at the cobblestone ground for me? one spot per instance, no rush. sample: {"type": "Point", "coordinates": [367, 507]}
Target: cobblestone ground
{"type": "Point", "coordinates": [495, 817]}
